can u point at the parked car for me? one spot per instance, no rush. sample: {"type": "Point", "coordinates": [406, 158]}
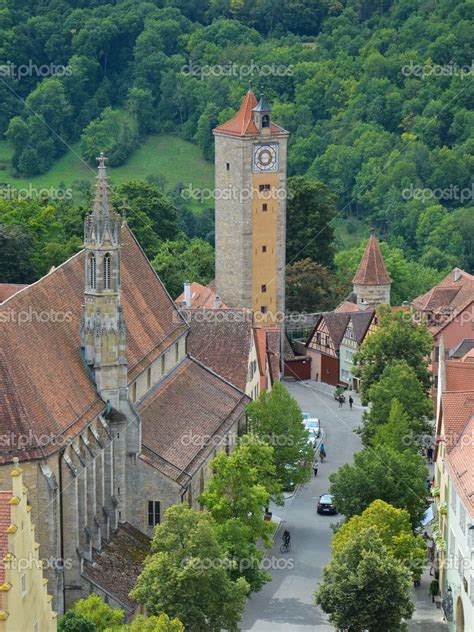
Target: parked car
{"type": "Point", "coordinates": [313, 424]}
{"type": "Point", "coordinates": [312, 437]}
{"type": "Point", "coordinates": [326, 505]}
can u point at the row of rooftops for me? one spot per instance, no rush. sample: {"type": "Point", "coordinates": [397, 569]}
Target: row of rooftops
{"type": "Point", "coordinates": [456, 415]}
{"type": "Point", "coordinates": [47, 394]}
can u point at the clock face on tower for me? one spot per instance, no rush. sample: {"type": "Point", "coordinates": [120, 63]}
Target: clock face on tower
{"type": "Point", "coordinates": [265, 157]}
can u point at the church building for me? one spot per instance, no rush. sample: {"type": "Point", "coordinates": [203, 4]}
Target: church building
{"type": "Point", "coordinates": [110, 417]}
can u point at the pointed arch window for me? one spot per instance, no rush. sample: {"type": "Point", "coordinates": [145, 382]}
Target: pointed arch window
{"type": "Point", "coordinates": [92, 271]}
{"type": "Point", "coordinates": [107, 268]}
{"type": "Point", "coordinates": [265, 120]}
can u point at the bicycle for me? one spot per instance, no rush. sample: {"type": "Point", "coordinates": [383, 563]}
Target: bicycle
{"type": "Point", "coordinates": [285, 547]}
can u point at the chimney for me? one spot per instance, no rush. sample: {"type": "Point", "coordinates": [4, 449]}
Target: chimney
{"type": "Point", "coordinates": [187, 294]}
{"type": "Point", "coordinates": [217, 301]}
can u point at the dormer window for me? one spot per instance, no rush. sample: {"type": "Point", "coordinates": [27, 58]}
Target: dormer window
{"type": "Point", "coordinates": [92, 271]}
{"type": "Point", "coordinates": [107, 264]}
{"type": "Point", "coordinates": [265, 120]}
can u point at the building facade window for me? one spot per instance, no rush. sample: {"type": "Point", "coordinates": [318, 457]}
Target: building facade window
{"type": "Point", "coordinates": [163, 364]}
{"type": "Point", "coordinates": [227, 166]}
{"type": "Point", "coordinates": [148, 379]}
{"type": "Point", "coordinates": [263, 309]}
{"type": "Point", "coordinates": [92, 271]}
{"type": "Point", "coordinates": [264, 249]}
{"type": "Point", "coordinates": [263, 287]}
{"type": "Point", "coordinates": [107, 267]}
{"type": "Point", "coordinates": [154, 516]}
{"type": "Point", "coordinates": [176, 352]}
{"type": "Point", "coordinates": [134, 392]}
{"type": "Point", "coordinates": [265, 207]}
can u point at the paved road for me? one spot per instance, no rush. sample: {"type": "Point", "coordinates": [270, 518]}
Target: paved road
{"type": "Point", "coordinates": [286, 603]}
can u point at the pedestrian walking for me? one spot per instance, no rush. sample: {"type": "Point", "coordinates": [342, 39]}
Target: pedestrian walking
{"type": "Point", "coordinates": [341, 400]}
{"type": "Point", "coordinates": [429, 454]}
{"type": "Point", "coordinates": [351, 401]}
{"type": "Point", "coordinates": [315, 466]}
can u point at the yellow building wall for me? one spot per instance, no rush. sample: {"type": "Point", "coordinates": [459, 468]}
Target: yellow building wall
{"type": "Point", "coordinates": [24, 596]}
{"type": "Point", "coordinates": [264, 264]}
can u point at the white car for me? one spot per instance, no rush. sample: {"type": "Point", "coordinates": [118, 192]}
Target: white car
{"type": "Point", "coordinates": [313, 424]}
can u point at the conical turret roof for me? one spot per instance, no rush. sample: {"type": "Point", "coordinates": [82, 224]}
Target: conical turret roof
{"type": "Point", "coordinates": [372, 270]}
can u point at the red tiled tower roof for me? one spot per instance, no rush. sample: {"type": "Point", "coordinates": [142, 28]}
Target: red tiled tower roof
{"type": "Point", "coordinates": [241, 124]}
{"type": "Point", "coordinates": [372, 270]}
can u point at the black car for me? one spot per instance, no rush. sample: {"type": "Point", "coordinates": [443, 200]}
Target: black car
{"type": "Point", "coordinates": [326, 505]}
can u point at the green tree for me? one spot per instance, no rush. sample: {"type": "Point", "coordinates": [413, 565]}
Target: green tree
{"type": "Point", "coordinates": [96, 610]}
{"type": "Point", "coordinates": [236, 496]}
{"type": "Point", "coordinates": [398, 478]}
{"type": "Point", "coordinates": [393, 528]}
{"type": "Point", "coordinates": [311, 287]}
{"type": "Point", "coordinates": [365, 588]}
{"type": "Point", "coordinates": [276, 419]}
{"type": "Point", "coordinates": [396, 432]}
{"type": "Point", "coordinates": [187, 575]}
{"type": "Point", "coordinates": [151, 216]}
{"type": "Point", "coordinates": [397, 382]}
{"type": "Point", "coordinates": [114, 133]}
{"type": "Point", "coordinates": [183, 260]}
{"type": "Point", "coordinates": [311, 209]}
{"type": "Point", "coordinates": [73, 622]}
{"type": "Point", "coordinates": [398, 337]}
{"type": "Point", "coordinates": [140, 623]}
{"type": "Point", "coordinates": [16, 251]}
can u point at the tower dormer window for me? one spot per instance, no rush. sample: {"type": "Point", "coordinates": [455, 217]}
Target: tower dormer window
{"type": "Point", "coordinates": [92, 271]}
{"type": "Point", "coordinates": [265, 120]}
{"type": "Point", "coordinates": [107, 262]}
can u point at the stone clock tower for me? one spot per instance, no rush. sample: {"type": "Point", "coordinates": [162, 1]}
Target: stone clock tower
{"type": "Point", "coordinates": [250, 167]}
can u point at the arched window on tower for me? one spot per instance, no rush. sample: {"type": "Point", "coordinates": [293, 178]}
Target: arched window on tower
{"type": "Point", "coordinates": [92, 271]}
{"type": "Point", "coordinates": [265, 120]}
{"type": "Point", "coordinates": [107, 264]}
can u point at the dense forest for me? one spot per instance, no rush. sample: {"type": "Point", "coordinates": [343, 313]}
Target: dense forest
{"type": "Point", "coordinates": [377, 95]}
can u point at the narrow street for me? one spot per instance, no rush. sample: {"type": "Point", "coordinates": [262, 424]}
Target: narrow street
{"type": "Point", "coordinates": [287, 603]}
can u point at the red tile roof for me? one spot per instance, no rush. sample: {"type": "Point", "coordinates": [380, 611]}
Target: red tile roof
{"type": "Point", "coordinates": [5, 521]}
{"type": "Point", "coordinates": [202, 296]}
{"type": "Point", "coordinates": [460, 465]}
{"type": "Point", "coordinates": [274, 351]}
{"type": "Point", "coordinates": [46, 392]}
{"type": "Point", "coordinates": [458, 408]}
{"type": "Point", "coordinates": [117, 567]}
{"type": "Point", "coordinates": [241, 124]}
{"type": "Point", "coordinates": [372, 270]}
{"type": "Point", "coordinates": [261, 342]}
{"type": "Point", "coordinates": [222, 340]}
{"type": "Point", "coordinates": [8, 289]}
{"type": "Point", "coordinates": [347, 306]}
{"type": "Point", "coordinates": [361, 322]}
{"type": "Point", "coordinates": [459, 375]}
{"type": "Point", "coordinates": [446, 300]}
{"type": "Point", "coordinates": [184, 416]}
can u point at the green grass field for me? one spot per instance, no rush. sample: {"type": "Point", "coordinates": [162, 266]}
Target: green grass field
{"type": "Point", "coordinates": [167, 156]}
